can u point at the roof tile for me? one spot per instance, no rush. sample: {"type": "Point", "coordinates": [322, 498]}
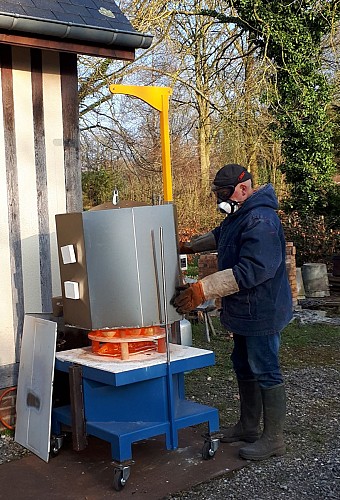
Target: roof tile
{"type": "Point", "coordinates": [97, 14]}
{"type": "Point", "coordinates": [83, 12]}
{"type": "Point", "coordinates": [37, 13]}
{"type": "Point", "coordinates": [10, 8]}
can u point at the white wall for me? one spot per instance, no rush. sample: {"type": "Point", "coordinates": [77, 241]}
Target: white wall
{"type": "Point", "coordinates": [20, 105]}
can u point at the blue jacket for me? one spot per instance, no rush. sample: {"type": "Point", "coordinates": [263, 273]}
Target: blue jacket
{"type": "Point", "coordinates": [251, 242]}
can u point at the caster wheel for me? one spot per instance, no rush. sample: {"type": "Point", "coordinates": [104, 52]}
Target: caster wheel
{"type": "Point", "coordinates": [207, 451]}
{"type": "Point", "coordinates": [54, 448]}
{"type": "Point", "coordinates": [117, 480]}
{"type": "Point", "coordinates": [120, 477]}
{"type": "Point", "coordinates": [56, 443]}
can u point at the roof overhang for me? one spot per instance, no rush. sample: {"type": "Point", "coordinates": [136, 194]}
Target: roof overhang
{"type": "Point", "coordinates": [69, 45]}
{"type": "Point", "coordinates": [64, 36]}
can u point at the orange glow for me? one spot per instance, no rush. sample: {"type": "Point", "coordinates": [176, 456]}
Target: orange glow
{"type": "Point", "coordinates": [121, 343]}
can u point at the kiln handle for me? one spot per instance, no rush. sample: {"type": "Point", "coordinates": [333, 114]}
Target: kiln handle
{"type": "Point", "coordinates": [171, 410]}
{"type": "Point", "coordinates": [158, 288]}
{"type": "Point", "coordinates": [165, 305]}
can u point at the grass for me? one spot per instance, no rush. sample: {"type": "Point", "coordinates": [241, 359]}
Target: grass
{"type": "Point", "coordinates": [310, 345]}
{"type": "Point", "coordinates": [7, 432]}
{"type": "Point", "coordinates": [302, 346]}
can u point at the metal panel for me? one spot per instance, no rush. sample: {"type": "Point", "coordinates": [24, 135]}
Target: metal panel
{"type": "Point", "coordinates": [150, 222]}
{"type": "Point", "coordinates": [112, 268]}
{"type": "Point", "coordinates": [119, 266]}
{"type": "Point", "coordinates": [34, 394]}
{"type": "Point", "coordinates": [124, 265]}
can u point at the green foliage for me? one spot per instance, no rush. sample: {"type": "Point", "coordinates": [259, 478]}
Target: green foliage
{"type": "Point", "coordinates": [334, 116]}
{"type": "Point", "coordinates": [192, 270]}
{"type": "Point", "coordinates": [98, 186]}
{"type": "Point", "coordinates": [7, 432]}
{"type": "Point", "coordinates": [316, 237]}
{"type": "Point", "coordinates": [289, 34]}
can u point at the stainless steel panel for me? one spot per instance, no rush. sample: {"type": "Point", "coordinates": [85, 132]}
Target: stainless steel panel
{"type": "Point", "coordinates": [146, 222]}
{"type": "Point", "coordinates": [119, 268]}
{"type": "Point", "coordinates": [34, 393]}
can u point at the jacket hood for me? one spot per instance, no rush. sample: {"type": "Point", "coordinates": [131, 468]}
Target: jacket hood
{"type": "Point", "coordinates": [264, 196]}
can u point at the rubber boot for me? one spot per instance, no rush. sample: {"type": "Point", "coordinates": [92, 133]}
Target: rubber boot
{"type": "Point", "coordinates": [274, 412]}
{"type": "Point", "coordinates": [248, 427]}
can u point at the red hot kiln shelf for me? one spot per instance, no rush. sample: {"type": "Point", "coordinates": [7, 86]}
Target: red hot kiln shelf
{"type": "Point", "coordinates": [122, 343]}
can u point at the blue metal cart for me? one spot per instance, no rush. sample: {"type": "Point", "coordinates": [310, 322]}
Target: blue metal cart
{"type": "Point", "coordinates": [128, 401]}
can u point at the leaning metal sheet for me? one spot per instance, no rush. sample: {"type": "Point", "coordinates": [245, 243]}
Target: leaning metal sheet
{"type": "Point", "coordinates": [35, 382]}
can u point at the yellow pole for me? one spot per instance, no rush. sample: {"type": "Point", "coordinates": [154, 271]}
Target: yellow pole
{"type": "Point", "coordinates": [158, 98]}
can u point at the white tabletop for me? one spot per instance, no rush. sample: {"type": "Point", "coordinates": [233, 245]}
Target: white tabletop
{"type": "Point", "coordinates": [85, 357]}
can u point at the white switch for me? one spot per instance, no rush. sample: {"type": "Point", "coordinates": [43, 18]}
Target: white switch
{"type": "Point", "coordinates": [68, 254]}
{"type": "Point", "coordinates": [183, 260]}
{"type": "Point", "coordinates": [71, 290]}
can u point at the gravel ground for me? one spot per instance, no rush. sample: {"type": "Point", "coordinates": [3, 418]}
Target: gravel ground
{"type": "Point", "coordinates": [310, 468]}
{"type": "Point", "coordinates": [9, 450]}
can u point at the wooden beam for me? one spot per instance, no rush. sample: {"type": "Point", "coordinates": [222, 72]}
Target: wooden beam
{"type": "Point", "coordinates": [70, 109]}
{"type": "Point", "coordinates": [71, 46]}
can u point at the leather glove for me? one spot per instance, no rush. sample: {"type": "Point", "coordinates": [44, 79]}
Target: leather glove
{"type": "Point", "coordinates": [201, 243]}
{"type": "Point", "coordinates": [178, 289]}
{"type": "Point", "coordinates": [184, 247]}
{"type": "Point", "coordinates": [219, 284]}
{"type": "Point", "coordinates": [188, 298]}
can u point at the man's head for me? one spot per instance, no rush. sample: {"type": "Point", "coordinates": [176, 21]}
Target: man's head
{"type": "Point", "coordinates": [232, 186]}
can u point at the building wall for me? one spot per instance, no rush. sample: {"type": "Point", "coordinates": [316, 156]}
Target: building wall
{"type": "Point", "coordinates": [39, 177]}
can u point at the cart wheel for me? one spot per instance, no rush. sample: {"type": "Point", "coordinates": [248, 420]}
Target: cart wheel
{"type": "Point", "coordinates": [54, 447]}
{"type": "Point", "coordinates": [207, 451]}
{"type": "Point", "coordinates": [120, 477]}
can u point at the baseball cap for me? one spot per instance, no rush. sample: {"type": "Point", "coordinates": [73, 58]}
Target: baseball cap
{"type": "Point", "coordinates": [231, 175]}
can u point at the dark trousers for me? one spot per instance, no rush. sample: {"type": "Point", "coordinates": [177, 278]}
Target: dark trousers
{"type": "Point", "coordinates": [257, 357]}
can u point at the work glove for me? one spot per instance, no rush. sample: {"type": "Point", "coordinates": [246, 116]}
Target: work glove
{"type": "Point", "coordinates": [188, 297]}
{"type": "Point", "coordinates": [216, 285]}
{"type": "Point", "coordinates": [201, 243]}
{"type": "Point", "coordinates": [219, 284]}
{"type": "Point", "coordinates": [185, 247]}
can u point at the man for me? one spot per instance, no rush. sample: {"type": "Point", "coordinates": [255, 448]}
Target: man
{"type": "Point", "coordinates": [256, 304]}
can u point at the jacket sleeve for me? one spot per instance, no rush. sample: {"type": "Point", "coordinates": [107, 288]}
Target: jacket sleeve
{"type": "Point", "coordinates": [201, 243]}
{"type": "Point", "coordinates": [260, 254]}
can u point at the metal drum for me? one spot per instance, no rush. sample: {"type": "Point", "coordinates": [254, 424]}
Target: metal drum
{"type": "Point", "coordinates": [315, 280]}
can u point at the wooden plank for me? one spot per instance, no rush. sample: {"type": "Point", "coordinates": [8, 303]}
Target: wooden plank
{"type": "Point", "coordinates": [70, 111]}
{"type": "Point", "coordinates": [70, 46]}
{"type": "Point", "coordinates": [12, 183]}
{"type": "Point", "coordinates": [79, 439]}
{"type": "Point", "coordinates": [41, 181]}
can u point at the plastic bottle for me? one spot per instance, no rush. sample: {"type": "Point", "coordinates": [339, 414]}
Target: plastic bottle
{"type": "Point", "coordinates": [186, 332]}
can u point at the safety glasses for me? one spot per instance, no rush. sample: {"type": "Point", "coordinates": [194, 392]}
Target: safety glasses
{"type": "Point", "coordinates": [223, 193]}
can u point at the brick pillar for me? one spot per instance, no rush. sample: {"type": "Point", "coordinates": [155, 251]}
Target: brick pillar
{"type": "Point", "coordinates": [207, 264]}
{"type": "Point", "coordinates": [7, 408]}
{"type": "Point", "coordinates": [291, 270]}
